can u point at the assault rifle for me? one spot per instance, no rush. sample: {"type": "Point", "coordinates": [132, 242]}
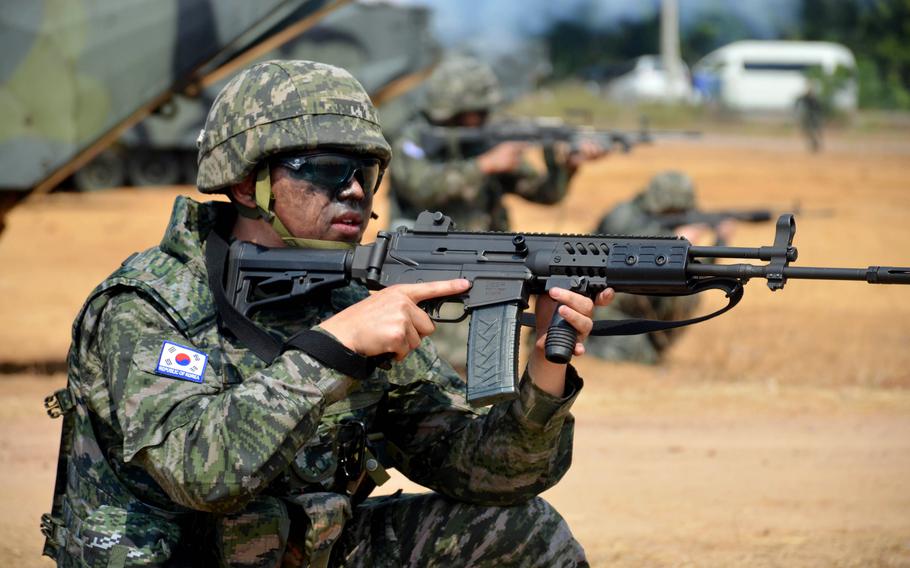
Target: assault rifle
{"type": "Point", "coordinates": [471, 141]}
{"type": "Point", "coordinates": [670, 221]}
{"type": "Point", "coordinates": [506, 268]}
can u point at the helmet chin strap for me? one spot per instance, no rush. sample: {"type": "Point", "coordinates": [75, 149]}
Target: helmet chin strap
{"type": "Point", "coordinates": [265, 209]}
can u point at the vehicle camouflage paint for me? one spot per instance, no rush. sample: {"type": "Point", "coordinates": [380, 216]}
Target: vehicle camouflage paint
{"type": "Point", "coordinates": [75, 75]}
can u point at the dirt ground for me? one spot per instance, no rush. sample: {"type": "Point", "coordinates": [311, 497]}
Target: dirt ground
{"type": "Point", "coordinates": [775, 435]}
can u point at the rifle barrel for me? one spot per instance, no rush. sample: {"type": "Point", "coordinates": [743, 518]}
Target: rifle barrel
{"type": "Point", "coordinates": [871, 274]}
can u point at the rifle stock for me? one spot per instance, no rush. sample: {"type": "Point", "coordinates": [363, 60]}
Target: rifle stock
{"type": "Point", "coordinates": [505, 269]}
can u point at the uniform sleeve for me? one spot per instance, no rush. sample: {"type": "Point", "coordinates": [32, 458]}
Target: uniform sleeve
{"type": "Point", "coordinates": [548, 188]}
{"type": "Point", "coordinates": [209, 448]}
{"type": "Point", "coordinates": [425, 183]}
{"type": "Point", "coordinates": [501, 455]}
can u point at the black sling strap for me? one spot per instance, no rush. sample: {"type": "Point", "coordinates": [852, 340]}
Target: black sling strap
{"type": "Point", "coordinates": [732, 288]}
{"type": "Point", "coordinates": [252, 336]}
{"type": "Point", "coordinates": [319, 346]}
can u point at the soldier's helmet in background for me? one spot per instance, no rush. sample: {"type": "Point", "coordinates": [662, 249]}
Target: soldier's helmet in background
{"type": "Point", "coordinates": [277, 107]}
{"type": "Point", "coordinates": [460, 84]}
{"type": "Point", "coordinates": [668, 191]}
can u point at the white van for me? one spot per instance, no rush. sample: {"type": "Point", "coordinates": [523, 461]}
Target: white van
{"type": "Point", "coordinates": [771, 75]}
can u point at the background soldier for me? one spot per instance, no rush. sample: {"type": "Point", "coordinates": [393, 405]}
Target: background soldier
{"type": "Point", "coordinates": [667, 193]}
{"type": "Point", "coordinates": [469, 186]}
{"type": "Point", "coordinates": [181, 446]}
{"type": "Point", "coordinates": [811, 115]}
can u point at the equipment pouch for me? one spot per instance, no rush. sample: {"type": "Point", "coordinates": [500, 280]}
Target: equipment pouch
{"type": "Point", "coordinates": [326, 513]}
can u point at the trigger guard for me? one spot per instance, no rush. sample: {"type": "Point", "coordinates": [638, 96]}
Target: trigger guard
{"type": "Point", "coordinates": [432, 308]}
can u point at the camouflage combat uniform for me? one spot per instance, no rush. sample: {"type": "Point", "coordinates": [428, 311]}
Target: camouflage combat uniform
{"type": "Point", "coordinates": [450, 180]}
{"type": "Point", "coordinates": [668, 191]}
{"type": "Point", "coordinates": [452, 183]}
{"type": "Point", "coordinates": [240, 463]}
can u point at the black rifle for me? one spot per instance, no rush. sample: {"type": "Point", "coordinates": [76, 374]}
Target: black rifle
{"type": "Point", "coordinates": [470, 141]}
{"type": "Point", "coordinates": [712, 218]}
{"type": "Point", "coordinates": [506, 268]}
{"type": "Point", "coordinates": [670, 221]}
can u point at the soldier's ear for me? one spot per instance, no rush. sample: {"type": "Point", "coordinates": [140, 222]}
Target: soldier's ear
{"type": "Point", "coordinates": [243, 192]}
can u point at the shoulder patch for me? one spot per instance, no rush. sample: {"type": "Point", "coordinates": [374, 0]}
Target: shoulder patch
{"type": "Point", "coordinates": [181, 362]}
{"type": "Point", "coordinates": [413, 150]}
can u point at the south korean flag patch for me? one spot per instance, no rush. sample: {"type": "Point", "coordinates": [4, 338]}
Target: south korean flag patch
{"type": "Point", "coordinates": [181, 362]}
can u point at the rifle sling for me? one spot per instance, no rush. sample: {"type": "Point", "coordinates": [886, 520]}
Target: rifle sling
{"type": "Point", "coordinates": [319, 346]}
{"type": "Point", "coordinates": [732, 288]}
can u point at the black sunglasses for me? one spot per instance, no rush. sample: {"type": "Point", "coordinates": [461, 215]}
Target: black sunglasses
{"type": "Point", "coordinates": [334, 172]}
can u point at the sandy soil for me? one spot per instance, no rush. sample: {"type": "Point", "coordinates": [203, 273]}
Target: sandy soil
{"type": "Point", "coordinates": [776, 435]}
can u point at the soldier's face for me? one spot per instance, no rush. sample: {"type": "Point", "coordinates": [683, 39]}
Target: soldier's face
{"type": "Point", "coordinates": [313, 212]}
{"type": "Point", "coordinates": [469, 118]}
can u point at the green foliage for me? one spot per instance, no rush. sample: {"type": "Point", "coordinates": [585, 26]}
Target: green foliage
{"type": "Point", "coordinates": [715, 29]}
{"type": "Point", "coordinates": [576, 48]}
{"type": "Point", "coordinates": [876, 31]}
{"type": "Point", "coordinates": [827, 85]}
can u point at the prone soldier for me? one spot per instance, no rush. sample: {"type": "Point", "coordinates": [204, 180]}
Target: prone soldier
{"type": "Point", "coordinates": [669, 192]}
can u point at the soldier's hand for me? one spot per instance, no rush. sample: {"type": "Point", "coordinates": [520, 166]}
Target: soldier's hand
{"type": "Point", "coordinates": [578, 311]}
{"type": "Point", "coordinates": [725, 230]}
{"type": "Point", "coordinates": [389, 321]}
{"type": "Point", "coordinates": [695, 233]}
{"type": "Point", "coordinates": [502, 158]}
{"type": "Point", "coordinates": [586, 151]}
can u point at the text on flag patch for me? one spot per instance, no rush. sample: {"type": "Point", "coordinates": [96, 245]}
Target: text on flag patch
{"type": "Point", "coordinates": [181, 362]}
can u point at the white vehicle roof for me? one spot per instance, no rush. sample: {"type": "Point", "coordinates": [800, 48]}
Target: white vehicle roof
{"type": "Point", "coordinates": [827, 54]}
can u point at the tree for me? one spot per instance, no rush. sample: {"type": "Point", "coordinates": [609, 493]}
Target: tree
{"type": "Point", "coordinates": [876, 31]}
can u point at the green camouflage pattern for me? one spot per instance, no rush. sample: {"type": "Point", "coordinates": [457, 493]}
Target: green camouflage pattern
{"type": "Point", "coordinates": [430, 530]}
{"type": "Point", "coordinates": [112, 536]}
{"type": "Point", "coordinates": [73, 70]}
{"type": "Point", "coordinates": [668, 191]}
{"type": "Point", "coordinates": [460, 84]}
{"type": "Point", "coordinates": [283, 106]}
{"type": "Point", "coordinates": [455, 185]}
{"type": "Point", "coordinates": [219, 467]}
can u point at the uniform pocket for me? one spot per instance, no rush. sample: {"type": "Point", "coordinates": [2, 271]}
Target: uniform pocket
{"type": "Point", "coordinates": [112, 537]}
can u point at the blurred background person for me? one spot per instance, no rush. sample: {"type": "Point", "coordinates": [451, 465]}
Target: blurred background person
{"type": "Point", "coordinates": [811, 115]}
{"type": "Point", "coordinates": [469, 186]}
{"type": "Point", "coordinates": [668, 193]}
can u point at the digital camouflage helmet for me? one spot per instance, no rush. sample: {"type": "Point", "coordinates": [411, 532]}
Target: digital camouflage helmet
{"type": "Point", "coordinates": [279, 107]}
{"type": "Point", "coordinates": [285, 106]}
{"type": "Point", "coordinates": [460, 84]}
{"type": "Point", "coordinates": [668, 191]}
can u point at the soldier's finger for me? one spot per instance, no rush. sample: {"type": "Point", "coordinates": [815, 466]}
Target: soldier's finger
{"type": "Point", "coordinates": [413, 338]}
{"type": "Point", "coordinates": [581, 322]}
{"type": "Point", "coordinates": [423, 323]}
{"type": "Point", "coordinates": [440, 289]}
{"type": "Point", "coordinates": [605, 298]}
{"type": "Point", "coordinates": [577, 302]}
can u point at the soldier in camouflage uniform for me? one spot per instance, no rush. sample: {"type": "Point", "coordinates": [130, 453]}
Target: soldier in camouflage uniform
{"type": "Point", "coordinates": [667, 192]}
{"type": "Point", "coordinates": [470, 187]}
{"type": "Point", "coordinates": [182, 447]}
